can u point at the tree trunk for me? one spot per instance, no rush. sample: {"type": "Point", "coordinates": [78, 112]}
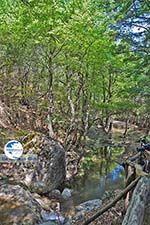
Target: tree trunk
{"type": "Point", "coordinates": [71, 132]}
{"type": "Point", "coordinates": [135, 211]}
{"type": "Point", "coordinates": [51, 99]}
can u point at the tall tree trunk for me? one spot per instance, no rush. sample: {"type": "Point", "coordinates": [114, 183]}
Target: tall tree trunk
{"type": "Point", "coordinates": [51, 99]}
{"type": "Point", "coordinates": [71, 129]}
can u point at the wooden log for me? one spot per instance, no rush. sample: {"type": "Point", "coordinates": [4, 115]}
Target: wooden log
{"type": "Point", "coordinates": [135, 211]}
{"type": "Point", "coordinates": [111, 204]}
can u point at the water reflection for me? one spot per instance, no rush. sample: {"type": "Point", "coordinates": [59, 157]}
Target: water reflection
{"type": "Point", "coordinates": [115, 173]}
{"type": "Point", "coordinates": [103, 175]}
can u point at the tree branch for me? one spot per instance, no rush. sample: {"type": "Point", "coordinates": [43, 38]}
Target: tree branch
{"type": "Point", "coordinates": [111, 204]}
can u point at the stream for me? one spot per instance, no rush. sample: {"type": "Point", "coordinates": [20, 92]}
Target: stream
{"type": "Point", "coordinates": [100, 174]}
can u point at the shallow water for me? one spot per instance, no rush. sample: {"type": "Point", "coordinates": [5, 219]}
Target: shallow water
{"type": "Point", "coordinates": [103, 174]}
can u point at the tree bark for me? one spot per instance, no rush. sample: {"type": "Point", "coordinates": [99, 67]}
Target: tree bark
{"type": "Point", "coordinates": [135, 211]}
{"type": "Point", "coordinates": [51, 98]}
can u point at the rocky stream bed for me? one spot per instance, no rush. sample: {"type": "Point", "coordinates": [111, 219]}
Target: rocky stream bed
{"type": "Point", "coordinates": [37, 192]}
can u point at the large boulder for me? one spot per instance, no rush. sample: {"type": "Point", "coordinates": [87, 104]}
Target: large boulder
{"type": "Point", "coordinates": [17, 206]}
{"type": "Point", "coordinates": [45, 173]}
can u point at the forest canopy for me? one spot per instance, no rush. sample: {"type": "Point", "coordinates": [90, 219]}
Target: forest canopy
{"type": "Point", "coordinates": [72, 63]}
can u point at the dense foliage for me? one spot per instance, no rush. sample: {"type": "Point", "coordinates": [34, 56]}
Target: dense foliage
{"type": "Point", "coordinates": [70, 64]}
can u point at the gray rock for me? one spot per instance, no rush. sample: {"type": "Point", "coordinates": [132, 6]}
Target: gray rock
{"type": "Point", "coordinates": [52, 216]}
{"type": "Point", "coordinates": [66, 194]}
{"type": "Point", "coordinates": [50, 170]}
{"type": "Point", "coordinates": [44, 174]}
{"type": "Point", "coordinates": [55, 194]}
{"type": "Point", "coordinates": [87, 207]}
{"type": "Point", "coordinates": [17, 206]}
